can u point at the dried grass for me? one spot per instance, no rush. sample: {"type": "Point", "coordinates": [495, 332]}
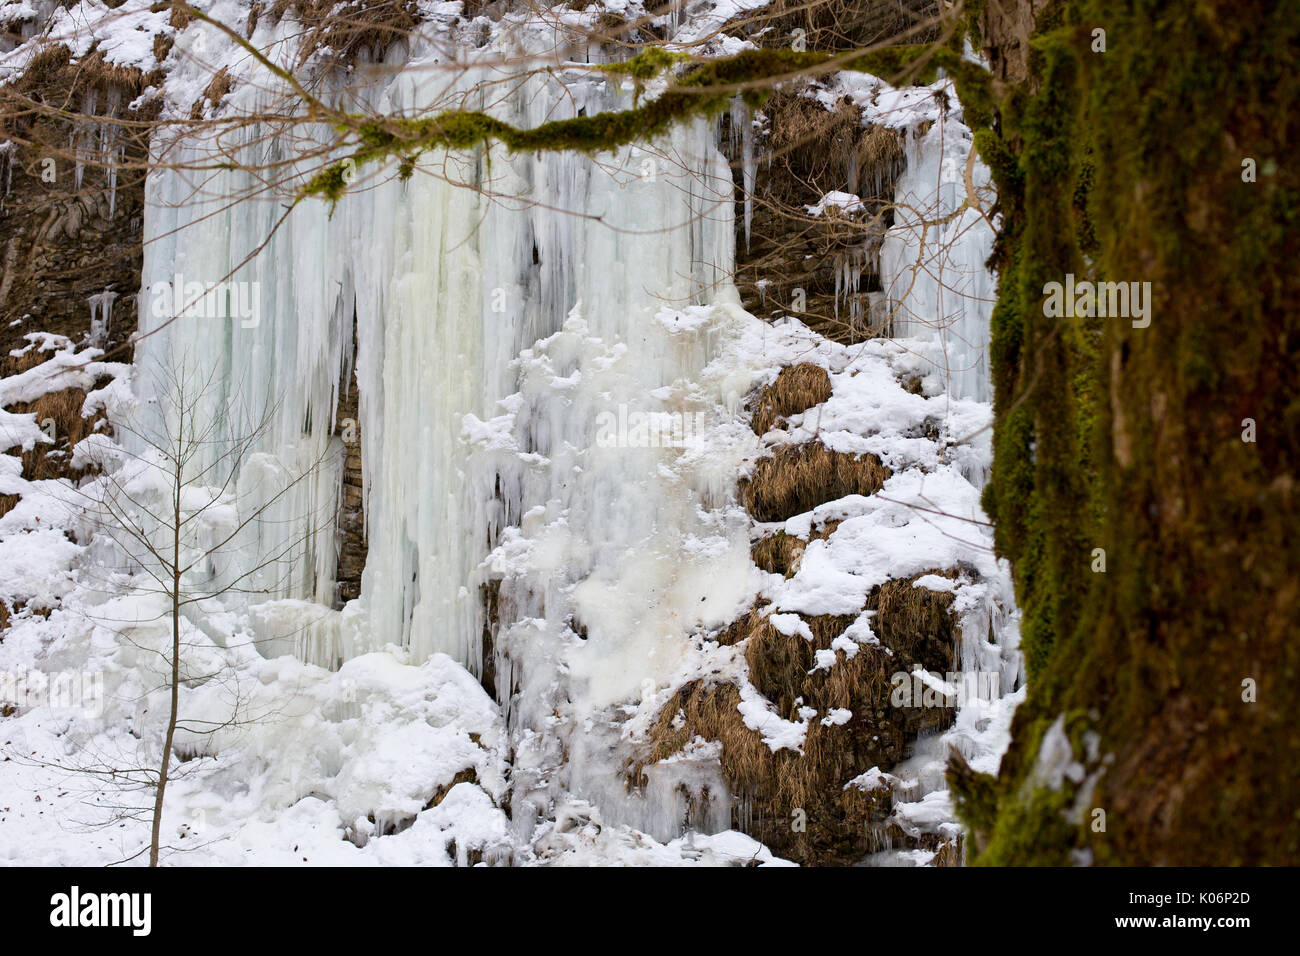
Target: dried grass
{"type": "Point", "coordinates": [46, 461]}
{"type": "Point", "coordinates": [219, 86]}
{"type": "Point", "coordinates": [810, 151]}
{"type": "Point", "coordinates": [781, 553]}
{"type": "Point", "coordinates": [17, 364]}
{"type": "Point", "coordinates": [797, 388]}
{"type": "Point", "coordinates": [842, 825]}
{"type": "Point", "coordinates": [798, 478]}
{"type": "Point", "coordinates": [348, 29]}
{"type": "Point", "coordinates": [839, 25]}
{"type": "Point", "coordinates": [46, 63]}
{"type": "Point", "coordinates": [54, 79]}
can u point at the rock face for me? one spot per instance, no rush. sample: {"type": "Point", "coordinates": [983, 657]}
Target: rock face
{"type": "Point", "coordinates": [70, 228]}
{"type": "Point", "coordinates": [830, 803]}
{"type": "Point", "coordinates": [352, 518]}
{"type": "Point", "coordinates": [71, 218]}
{"type": "Point", "coordinates": [820, 268]}
{"type": "Point", "coordinates": [71, 215]}
{"type": "Point", "coordinates": [829, 800]}
{"type": "Point", "coordinates": [77, 237]}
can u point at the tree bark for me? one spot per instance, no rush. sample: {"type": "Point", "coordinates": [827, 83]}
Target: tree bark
{"type": "Point", "coordinates": [1168, 448]}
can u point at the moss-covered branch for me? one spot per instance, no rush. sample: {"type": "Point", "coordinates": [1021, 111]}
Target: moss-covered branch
{"type": "Point", "coordinates": [701, 89]}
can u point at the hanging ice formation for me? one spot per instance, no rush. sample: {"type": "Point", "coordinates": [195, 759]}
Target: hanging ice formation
{"type": "Point", "coordinates": [446, 286]}
{"type": "Point", "coordinates": [523, 326]}
{"type": "Point", "coordinates": [101, 315]}
{"type": "Point", "coordinates": [932, 260]}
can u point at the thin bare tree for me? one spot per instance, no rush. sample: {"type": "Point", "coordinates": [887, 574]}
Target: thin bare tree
{"type": "Point", "coordinates": [154, 488]}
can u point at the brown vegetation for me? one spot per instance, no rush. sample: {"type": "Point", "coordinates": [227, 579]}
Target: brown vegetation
{"type": "Point", "coordinates": [796, 389]}
{"type": "Point", "coordinates": [798, 478]}
{"type": "Point", "coordinates": [915, 629]}
{"type": "Point", "coordinates": [795, 263]}
{"type": "Point", "coordinates": [781, 553]}
{"type": "Point", "coordinates": [62, 409]}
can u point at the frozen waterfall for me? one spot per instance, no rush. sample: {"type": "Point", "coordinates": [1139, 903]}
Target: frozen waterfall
{"type": "Point", "coordinates": [932, 260]}
{"type": "Point", "coordinates": [446, 286]}
{"type": "Point", "coordinates": [549, 449]}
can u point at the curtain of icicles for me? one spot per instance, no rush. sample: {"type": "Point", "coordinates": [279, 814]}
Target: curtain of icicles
{"type": "Point", "coordinates": [932, 260]}
{"type": "Point", "coordinates": [502, 309]}
{"type": "Point", "coordinates": [447, 277]}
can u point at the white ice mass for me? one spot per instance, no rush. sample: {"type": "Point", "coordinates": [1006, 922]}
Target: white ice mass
{"type": "Point", "coordinates": [489, 329]}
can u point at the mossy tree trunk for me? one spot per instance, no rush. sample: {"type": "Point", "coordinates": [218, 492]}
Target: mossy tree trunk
{"type": "Point", "coordinates": [1129, 164]}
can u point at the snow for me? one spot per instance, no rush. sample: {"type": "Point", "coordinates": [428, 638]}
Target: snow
{"type": "Point", "coordinates": [791, 624]}
{"type": "Point", "coordinates": [36, 567]}
{"type": "Point", "coordinates": [67, 369]}
{"type": "Point", "coordinates": [873, 779]}
{"type": "Point", "coordinates": [123, 33]}
{"type": "Point", "coordinates": [841, 201]}
{"type": "Point", "coordinates": [759, 715]}
{"type": "Point", "coordinates": [836, 717]}
{"type": "Point", "coordinates": [20, 430]}
{"type": "Point", "coordinates": [887, 536]}
{"type": "Point", "coordinates": [493, 332]}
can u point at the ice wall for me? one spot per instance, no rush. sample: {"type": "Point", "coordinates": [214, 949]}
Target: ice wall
{"type": "Point", "coordinates": [550, 444]}
{"type": "Point", "coordinates": [445, 286]}
{"type": "Point", "coordinates": [932, 261]}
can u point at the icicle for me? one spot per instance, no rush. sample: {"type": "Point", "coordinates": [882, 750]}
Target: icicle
{"type": "Point", "coordinates": [114, 162]}
{"type": "Point", "coordinates": [78, 141]}
{"type": "Point", "coordinates": [8, 150]}
{"type": "Point", "coordinates": [939, 268]}
{"type": "Point", "coordinates": [101, 315]}
{"type": "Point", "coordinates": [449, 288]}
{"type": "Point", "coordinates": [838, 267]}
{"type": "Point", "coordinates": [749, 168]}
{"type": "Point", "coordinates": [742, 118]}
{"type": "Point", "coordinates": [110, 154]}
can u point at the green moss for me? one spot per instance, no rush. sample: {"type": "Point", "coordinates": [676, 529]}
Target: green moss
{"type": "Point", "coordinates": [1125, 166]}
{"type": "Point", "coordinates": [1031, 831]}
{"type": "Point", "coordinates": [647, 64]}
{"type": "Point", "coordinates": [330, 183]}
{"type": "Point", "coordinates": [702, 89]}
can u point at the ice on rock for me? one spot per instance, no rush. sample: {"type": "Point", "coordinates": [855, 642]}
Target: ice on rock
{"type": "Point", "coordinates": [932, 261]}
{"type": "Point", "coordinates": [446, 286]}
{"type": "Point", "coordinates": [101, 315]}
{"type": "Point", "coordinates": [551, 366]}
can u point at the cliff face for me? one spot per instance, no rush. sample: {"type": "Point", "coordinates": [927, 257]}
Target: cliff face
{"type": "Point", "coordinates": [73, 198]}
{"type": "Point", "coordinates": [1145, 462]}
{"type": "Point", "coordinates": [71, 212]}
{"type": "Point", "coordinates": [693, 630]}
